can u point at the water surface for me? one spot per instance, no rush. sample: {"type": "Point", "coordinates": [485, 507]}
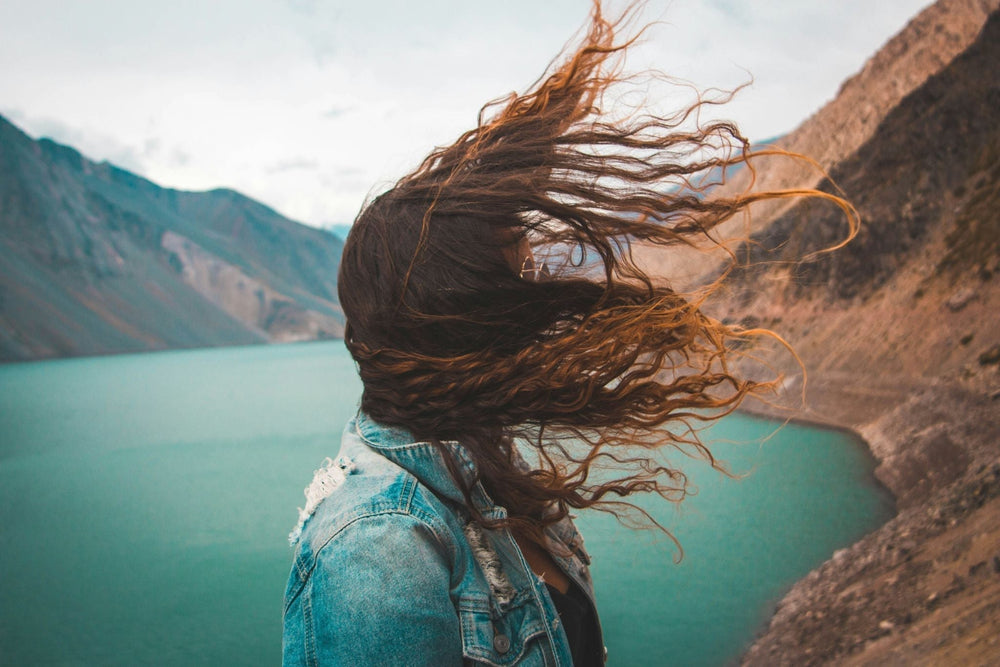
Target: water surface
{"type": "Point", "coordinates": [145, 502]}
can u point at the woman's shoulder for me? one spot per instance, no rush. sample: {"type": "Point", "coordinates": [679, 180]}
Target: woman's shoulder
{"type": "Point", "coordinates": [361, 489]}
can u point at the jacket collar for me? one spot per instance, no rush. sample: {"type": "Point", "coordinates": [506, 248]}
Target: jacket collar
{"type": "Point", "coordinates": [426, 462]}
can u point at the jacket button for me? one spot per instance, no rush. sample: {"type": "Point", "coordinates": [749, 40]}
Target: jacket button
{"type": "Point", "coordinates": [501, 643]}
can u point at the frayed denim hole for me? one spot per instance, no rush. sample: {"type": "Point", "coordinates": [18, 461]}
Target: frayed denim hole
{"type": "Point", "coordinates": [325, 481]}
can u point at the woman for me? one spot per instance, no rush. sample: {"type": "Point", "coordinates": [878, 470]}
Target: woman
{"type": "Point", "coordinates": [494, 389]}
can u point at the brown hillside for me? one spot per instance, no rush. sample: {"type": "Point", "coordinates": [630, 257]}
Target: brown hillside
{"type": "Point", "coordinates": [900, 333]}
{"type": "Point", "coordinates": [921, 49]}
{"type": "Point", "coordinates": [926, 45]}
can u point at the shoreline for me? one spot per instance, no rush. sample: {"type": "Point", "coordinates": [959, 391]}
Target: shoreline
{"type": "Point", "coordinates": [936, 562]}
{"type": "Point", "coordinates": [811, 422]}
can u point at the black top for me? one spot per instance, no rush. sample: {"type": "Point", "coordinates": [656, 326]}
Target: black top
{"type": "Point", "coordinates": [580, 625]}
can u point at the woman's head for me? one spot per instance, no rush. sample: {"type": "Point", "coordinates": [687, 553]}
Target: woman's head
{"type": "Point", "coordinates": [438, 290]}
{"type": "Point", "coordinates": [455, 339]}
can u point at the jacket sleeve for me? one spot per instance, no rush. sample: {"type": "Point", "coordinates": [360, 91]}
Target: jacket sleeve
{"type": "Point", "coordinates": [377, 595]}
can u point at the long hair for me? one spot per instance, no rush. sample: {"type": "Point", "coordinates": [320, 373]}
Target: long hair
{"type": "Point", "coordinates": [596, 365]}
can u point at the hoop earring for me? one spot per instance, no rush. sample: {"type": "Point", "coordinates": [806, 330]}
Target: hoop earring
{"type": "Point", "coordinates": [535, 272]}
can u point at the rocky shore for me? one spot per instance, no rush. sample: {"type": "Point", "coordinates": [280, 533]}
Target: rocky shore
{"type": "Point", "coordinates": [924, 589]}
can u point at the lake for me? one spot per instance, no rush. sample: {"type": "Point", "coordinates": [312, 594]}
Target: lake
{"type": "Point", "coordinates": [145, 503]}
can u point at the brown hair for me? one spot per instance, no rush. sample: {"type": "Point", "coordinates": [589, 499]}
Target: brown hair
{"type": "Point", "coordinates": [597, 364]}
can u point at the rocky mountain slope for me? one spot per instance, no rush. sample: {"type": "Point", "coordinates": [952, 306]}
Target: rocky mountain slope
{"type": "Point", "coordinates": [921, 49]}
{"type": "Point", "coordinates": [96, 260]}
{"type": "Point", "coordinates": [900, 334]}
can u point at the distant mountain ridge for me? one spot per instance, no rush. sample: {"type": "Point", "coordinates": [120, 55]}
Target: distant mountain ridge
{"type": "Point", "coordinates": [340, 230]}
{"type": "Point", "coordinates": [97, 260]}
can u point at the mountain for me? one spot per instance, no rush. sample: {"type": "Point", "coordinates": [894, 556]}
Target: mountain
{"type": "Point", "coordinates": [899, 332]}
{"type": "Point", "coordinates": [340, 230]}
{"type": "Point", "coordinates": [926, 186]}
{"type": "Point", "coordinates": [930, 41]}
{"type": "Point", "coordinates": [922, 48]}
{"type": "Point", "coordinates": [97, 260]}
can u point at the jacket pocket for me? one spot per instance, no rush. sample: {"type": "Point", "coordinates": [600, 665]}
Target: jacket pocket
{"type": "Point", "coordinates": [501, 637]}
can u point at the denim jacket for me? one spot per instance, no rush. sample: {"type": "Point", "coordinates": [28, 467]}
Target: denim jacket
{"type": "Point", "coordinates": [389, 570]}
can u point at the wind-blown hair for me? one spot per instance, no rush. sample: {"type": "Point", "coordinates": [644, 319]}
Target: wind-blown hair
{"type": "Point", "coordinates": [596, 364]}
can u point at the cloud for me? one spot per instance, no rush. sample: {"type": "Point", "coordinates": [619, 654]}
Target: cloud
{"type": "Point", "coordinates": [94, 144]}
{"type": "Point", "coordinates": [312, 105]}
{"type": "Point", "coordinates": [337, 112]}
{"type": "Point", "coordinates": [179, 158]}
{"type": "Point", "coordinates": [292, 164]}
{"type": "Point", "coordinates": [305, 7]}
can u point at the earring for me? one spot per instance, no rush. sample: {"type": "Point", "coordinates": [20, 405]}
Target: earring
{"type": "Point", "coordinates": [535, 272]}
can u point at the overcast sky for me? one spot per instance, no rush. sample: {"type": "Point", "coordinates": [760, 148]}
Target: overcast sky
{"type": "Point", "coordinates": [308, 105]}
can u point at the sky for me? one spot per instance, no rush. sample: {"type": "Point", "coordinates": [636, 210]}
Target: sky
{"type": "Point", "coordinates": [312, 105]}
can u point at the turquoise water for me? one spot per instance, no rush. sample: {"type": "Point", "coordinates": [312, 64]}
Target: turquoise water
{"type": "Point", "coordinates": [145, 502]}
